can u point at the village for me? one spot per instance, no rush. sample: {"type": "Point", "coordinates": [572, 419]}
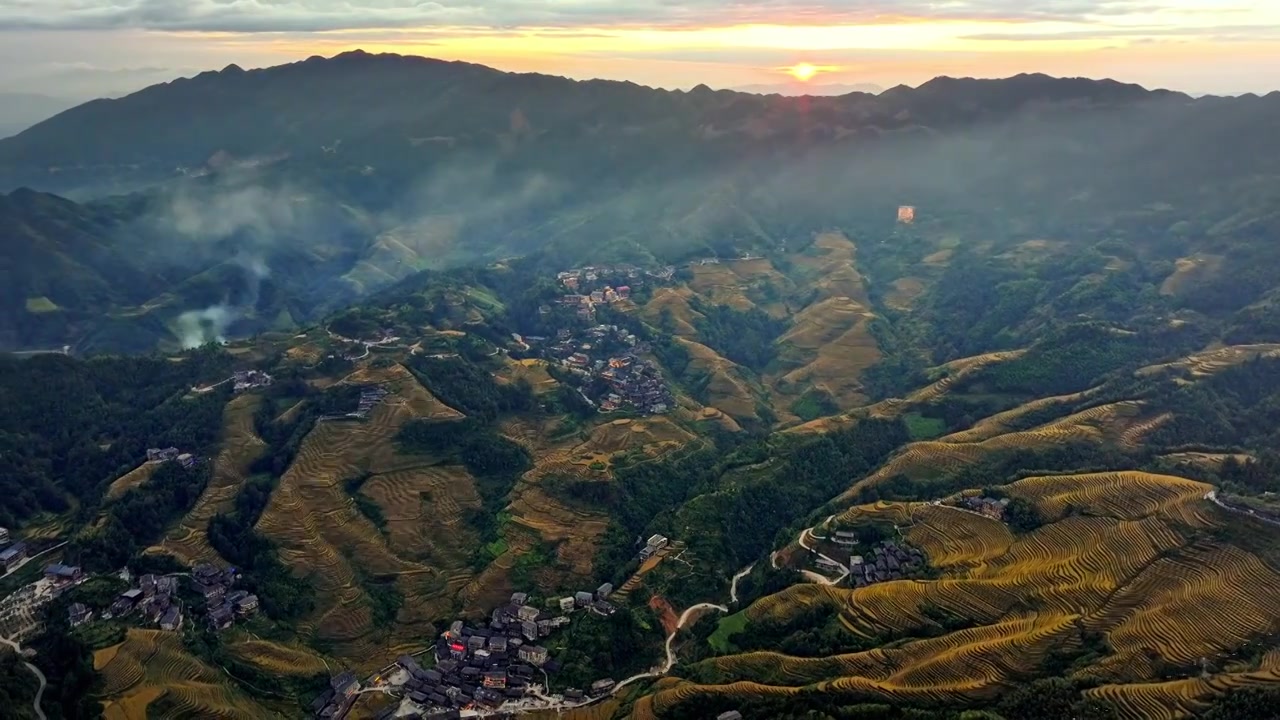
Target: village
{"type": "Point", "coordinates": [500, 665]}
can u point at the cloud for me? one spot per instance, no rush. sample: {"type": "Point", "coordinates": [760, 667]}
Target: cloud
{"type": "Point", "coordinates": [1253, 32]}
{"type": "Point", "coordinates": [256, 16]}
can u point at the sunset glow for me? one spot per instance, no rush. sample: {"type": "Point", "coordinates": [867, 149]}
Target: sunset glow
{"type": "Point", "coordinates": [1192, 45]}
{"type": "Point", "coordinates": [803, 72]}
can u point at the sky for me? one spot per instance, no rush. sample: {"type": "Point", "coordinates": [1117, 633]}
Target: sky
{"type": "Point", "coordinates": [85, 48]}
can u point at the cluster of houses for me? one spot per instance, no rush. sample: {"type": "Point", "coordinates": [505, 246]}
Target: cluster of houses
{"type": "Point", "coordinates": [171, 454]}
{"type": "Point", "coordinates": [249, 379]}
{"type": "Point", "coordinates": [154, 598]}
{"type": "Point", "coordinates": [612, 382]}
{"type": "Point", "coordinates": [12, 554]}
{"type": "Point", "coordinates": [990, 507]}
{"type": "Point", "coordinates": [484, 667]}
{"type": "Point", "coordinates": [224, 604]}
{"type": "Point", "coordinates": [337, 700]}
{"type": "Point", "coordinates": [652, 546]}
{"type": "Point", "coordinates": [887, 560]}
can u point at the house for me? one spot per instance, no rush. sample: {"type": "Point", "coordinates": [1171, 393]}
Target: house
{"type": "Point", "coordinates": [162, 454]}
{"type": "Point", "coordinates": [221, 618]}
{"type": "Point", "coordinates": [601, 687]}
{"type": "Point", "coordinates": [828, 564]}
{"type": "Point", "coordinates": [527, 613]}
{"type": "Point", "coordinates": [529, 630]}
{"type": "Point", "coordinates": [519, 598]}
{"type": "Point", "coordinates": [78, 614]}
{"type": "Point", "coordinates": [166, 585]}
{"type": "Point", "coordinates": [212, 594]}
{"type": "Point", "coordinates": [845, 538]}
{"type": "Point", "coordinates": [534, 654]}
{"type": "Point", "coordinates": [4, 536]}
{"type": "Point", "coordinates": [498, 644]}
{"type": "Point", "coordinates": [172, 619]}
{"type": "Point", "coordinates": [566, 604]}
{"type": "Point", "coordinates": [60, 573]}
{"type": "Point", "coordinates": [623, 292]}
{"type": "Point", "coordinates": [409, 664]}
{"type": "Point", "coordinates": [475, 642]}
{"type": "Point", "coordinates": [657, 542]}
{"type": "Point", "coordinates": [602, 608]}
{"type": "Point", "coordinates": [604, 591]}
{"type": "Point", "coordinates": [345, 685]}
{"type": "Point", "coordinates": [247, 605]}
{"type": "Point", "coordinates": [582, 599]}
{"type": "Point", "coordinates": [573, 694]}
{"type": "Point", "coordinates": [730, 715]}
{"type": "Point", "coordinates": [496, 679]}
{"type": "Point", "coordinates": [186, 460]}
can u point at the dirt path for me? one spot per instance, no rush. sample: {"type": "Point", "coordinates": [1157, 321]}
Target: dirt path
{"type": "Point", "coordinates": [35, 671]}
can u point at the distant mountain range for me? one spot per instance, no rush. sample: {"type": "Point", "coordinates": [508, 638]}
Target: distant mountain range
{"type": "Point", "coordinates": [19, 111]}
{"type": "Point", "coordinates": [810, 88]}
{"type": "Point", "coordinates": [284, 192]}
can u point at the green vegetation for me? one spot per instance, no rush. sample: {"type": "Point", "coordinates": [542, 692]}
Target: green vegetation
{"type": "Point", "coordinates": [814, 404]}
{"type": "Point", "coordinates": [730, 625]}
{"type": "Point", "coordinates": [69, 427]}
{"type": "Point", "coordinates": [365, 504]}
{"type": "Point", "coordinates": [924, 428]}
{"type": "Point", "coordinates": [745, 337]}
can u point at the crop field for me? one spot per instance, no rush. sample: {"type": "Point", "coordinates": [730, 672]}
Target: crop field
{"type": "Point", "coordinates": [832, 260]}
{"type": "Point", "coordinates": [829, 346]}
{"type": "Point", "coordinates": [950, 373]}
{"type": "Point", "coordinates": [532, 371]}
{"type": "Point", "coordinates": [278, 658]}
{"type": "Point", "coordinates": [728, 390]}
{"type": "Point", "coordinates": [132, 479]}
{"type": "Point", "coordinates": [927, 459]}
{"type": "Point", "coordinates": [1211, 362]}
{"type": "Point", "coordinates": [1135, 557]}
{"type": "Point", "coordinates": [575, 530]}
{"type": "Point", "coordinates": [904, 292]}
{"type": "Point", "coordinates": [723, 284]}
{"type": "Point", "coordinates": [1189, 272]}
{"type": "Point", "coordinates": [324, 536]}
{"type": "Point", "coordinates": [188, 540]}
{"type": "Point", "coordinates": [151, 664]}
{"type": "Point", "coordinates": [677, 301]}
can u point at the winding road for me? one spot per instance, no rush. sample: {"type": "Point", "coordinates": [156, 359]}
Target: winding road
{"type": "Point", "coordinates": [35, 671]}
{"type": "Point", "coordinates": [1212, 496]}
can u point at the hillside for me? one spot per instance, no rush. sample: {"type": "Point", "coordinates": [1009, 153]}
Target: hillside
{"type": "Point", "coordinates": [330, 179]}
{"type": "Point", "coordinates": [1014, 459]}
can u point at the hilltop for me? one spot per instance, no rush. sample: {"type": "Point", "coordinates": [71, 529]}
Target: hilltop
{"type": "Point", "coordinates": [329, 179]}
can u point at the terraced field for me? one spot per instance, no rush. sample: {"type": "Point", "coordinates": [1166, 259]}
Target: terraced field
{"type": "Point", "coordinates": [828, 346]}
{"type": "Point", "coordinates": [132, 479]}
{"type": "Point", "coordinates": [1210, 362]}
{"type": "Point", "coordinates": [573, 530]}
{"type": "Point", "coordinates": [950, 373]}
{"type": "Point", "coordinates": [188, 540]}
{"type": "Point", "coordinates": [323, 535]}
{"type": "Point", "coordinates": [918, 460]}
{"type": "Point", "coordinates": [278, 658]}
{"type": "Point", "coordinates": [1132, 556]}
{"type": "Point", "coordinates": [729, 388]}
{"type": "Point", "coordinates": [151, 664]}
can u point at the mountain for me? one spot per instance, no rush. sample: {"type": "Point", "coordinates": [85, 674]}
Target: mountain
{"type": "Point", "coordinates": [19, 111]}
{"type": "Point", "coordinates": [810, 88]}
{"type": "Point", "coordinates": [337, 177]}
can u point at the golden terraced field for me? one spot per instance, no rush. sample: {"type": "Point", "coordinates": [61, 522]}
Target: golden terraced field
{"type": "Point", "coordinates": [1132, 556]}
{"type": "Point", "coordinates": [188, 540]}
{"type": "Point", "coordinates": [321, 533]}
{"type": "Point", "coordinates": [151, 664]}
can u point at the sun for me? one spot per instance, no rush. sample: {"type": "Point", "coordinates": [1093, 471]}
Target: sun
{"type": "Point", "coordinates": [803, 71]}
